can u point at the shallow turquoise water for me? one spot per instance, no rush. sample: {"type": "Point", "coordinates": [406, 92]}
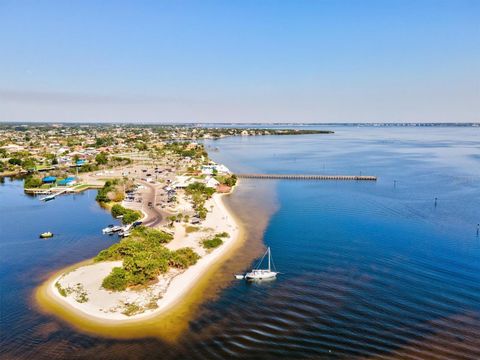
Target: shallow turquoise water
{"type": "Point", "coordinates": [368, 268]}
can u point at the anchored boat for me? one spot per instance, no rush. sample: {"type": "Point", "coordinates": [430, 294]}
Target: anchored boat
{"type": "Point", "coordinates": [262, 274]}
{"type": "Point", "coordinates": [46, 235]}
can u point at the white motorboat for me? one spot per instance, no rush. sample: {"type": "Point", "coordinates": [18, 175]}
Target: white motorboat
{"type": "Point", "coordinates": [262, 274]}
{"type": "Point", "coordinates": [110, 229]}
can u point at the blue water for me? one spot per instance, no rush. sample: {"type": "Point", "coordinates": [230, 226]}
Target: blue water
{"type": "Point", "coordinates": [26, 260]}
{"type": "Point", "coordinates": [368, 269]}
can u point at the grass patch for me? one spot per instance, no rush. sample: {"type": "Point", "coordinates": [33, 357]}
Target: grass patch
{"type": "Point", "coordinates": [132, 309]}
{"type": "Point", "coordinates": [81, 295]}
{"type": "Point", "coordinates": [191, 229]}
{"type": "Point", "coordinates": [212, 243]}
{"type": "Point", "coordinates": [60, 289]}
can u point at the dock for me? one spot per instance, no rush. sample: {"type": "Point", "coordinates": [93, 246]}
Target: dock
{"type": "Point", "coordinates": [308, 177]}
{"type": "Point", "coordinates": [53, 195]}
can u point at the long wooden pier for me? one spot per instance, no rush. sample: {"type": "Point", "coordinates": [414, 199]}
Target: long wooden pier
{"type": "Point", "coordinates": [307, 177]}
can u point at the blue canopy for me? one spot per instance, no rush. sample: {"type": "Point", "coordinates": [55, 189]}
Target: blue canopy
{"type": "Point", "coordinates": [66, 181]}
{"type": "Point", "coordinates": [49, 179]}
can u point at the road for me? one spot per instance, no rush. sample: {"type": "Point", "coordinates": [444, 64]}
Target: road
{"type": "Point", "coordinates": [155, 216]}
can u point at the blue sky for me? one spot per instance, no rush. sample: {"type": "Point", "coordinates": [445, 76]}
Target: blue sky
{"type": "Point", "coordinates": [240, 61]}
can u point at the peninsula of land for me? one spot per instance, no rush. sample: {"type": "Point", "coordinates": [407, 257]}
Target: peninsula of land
{"type": "Point", "coordinates": [174, 228]}
{"type": "Point", "coordinates": [164, 193]}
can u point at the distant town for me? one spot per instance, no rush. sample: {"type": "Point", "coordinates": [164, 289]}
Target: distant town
{"type": "Point", "coordinates": [32, 148]}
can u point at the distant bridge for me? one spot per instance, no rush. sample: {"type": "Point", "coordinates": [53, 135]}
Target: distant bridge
{"type": "Point", "coordinates": [307, 177]}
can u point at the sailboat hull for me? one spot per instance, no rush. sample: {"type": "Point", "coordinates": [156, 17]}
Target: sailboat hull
{"type": "Point", "coordinates": [260, 275]}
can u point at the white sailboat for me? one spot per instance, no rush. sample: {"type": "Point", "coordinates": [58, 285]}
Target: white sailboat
{"type": "Point", "coordinates": [262, 274]}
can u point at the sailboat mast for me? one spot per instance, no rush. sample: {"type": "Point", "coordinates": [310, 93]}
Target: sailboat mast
{"type": "Point", "coordinates": [269, 258]}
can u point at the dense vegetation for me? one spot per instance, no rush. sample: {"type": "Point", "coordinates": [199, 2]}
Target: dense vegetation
{"type": "Point", "coordinates": [144, 258]}
{"type": "Point", "coordinates": [88, 167]}
{"type": "Point", "coordinates": [128, 216]}
{"type": "Point", "coordinates": [101, 158]}
{"type": "Point", "coordinates": [32, 182]}
{"type": "Point", "coordinates": [229, 180]}
{"type": "Point", "coordinates": [185, 149]}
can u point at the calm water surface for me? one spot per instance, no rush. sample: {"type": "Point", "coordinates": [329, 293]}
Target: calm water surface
{"type": "Point", "coordinates": [369, 269]}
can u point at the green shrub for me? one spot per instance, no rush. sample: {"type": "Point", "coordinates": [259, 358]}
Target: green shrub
{"type": "Point", "coordinates": [152, 236]}
{"type": "Point", "coordinates": [212, 243]}
{"type": "Point", "coordinates": [200, 188]}
{"type": "Point", "coordinates": [15, 161]}
{"type": "Point", "coordinates": [183, 258]}
{"type": "Point", "coordinates": [129, 216]}
{"type": "Point", "coordinates": [229, 180]}
{"type": "Point", "coordinates": [101, 159]}
{"type": "Point", "coordinates": [202, 212]}
{"type": "Point", "coordinates": [60, 289]}
{"type": "Point", "coordinates": [116, 280]}
{"type": "Point", "coordinates": [132, 309]}
{"type": "Point", "coordinates": [87, 167]}
{"type": "Point", "coordinates": [117, 210]}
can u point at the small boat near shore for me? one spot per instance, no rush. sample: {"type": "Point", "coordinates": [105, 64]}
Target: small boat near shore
{"type": "Point", "coordinates": [110, 229]}
{"type": "Point", "coordinates": [48, 198]}
{"type": "Point", "coordinates": [46, 235]}
{"type": "Point", "coordinates": [123, 231]}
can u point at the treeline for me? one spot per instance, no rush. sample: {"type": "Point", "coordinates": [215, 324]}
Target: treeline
{"type": "Point", "coordinates": [186, 149]}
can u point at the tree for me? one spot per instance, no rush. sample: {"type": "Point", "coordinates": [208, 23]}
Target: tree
{"type": "Point", "coordinates": [101, 158]}
{"type": "Point", "coordinates": [32, 182]}
{"type": "Point", "coordinates": [28, 163]}
{"type": "Point", "coordinates": [15, 161]}
{"type": "Point", "coordinates": [141, 146]}
{"type": "Point", "coordinates": [117, 280]}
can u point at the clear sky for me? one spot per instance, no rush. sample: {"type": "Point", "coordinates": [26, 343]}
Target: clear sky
{"type": "Point", "coordinates": [240, 61]}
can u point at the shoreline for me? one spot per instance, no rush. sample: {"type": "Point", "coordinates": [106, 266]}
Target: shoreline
{"type": "Point", "coordinates": [181, 288]}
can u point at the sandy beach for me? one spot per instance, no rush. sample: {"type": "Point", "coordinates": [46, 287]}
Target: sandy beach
{"type": "Point", "coordinates": [86, 297]}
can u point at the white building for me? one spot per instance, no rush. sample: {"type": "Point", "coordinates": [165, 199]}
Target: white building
{"type": "Point", "coordinates": [210, 169]}
{"type": "Point", "coordinates": [211, 182]}
{"type": "Point", "coordinates": [182, 182]}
